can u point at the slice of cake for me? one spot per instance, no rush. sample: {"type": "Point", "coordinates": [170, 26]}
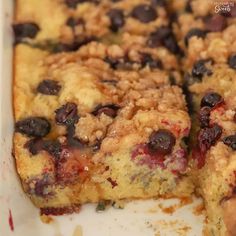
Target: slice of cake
{"type": "Point", "coordinates": [87, 132]}
{"type": "Point", "coordinates": [65, 25]}
{"type": "Point", "coordinates": [210, 66]}
{"type": "Point", "coordinates": [203, 31]}
{"type": "Point", "coordinates": [214, 153]}
{"type": "Point", "coordinates": [208, 41]}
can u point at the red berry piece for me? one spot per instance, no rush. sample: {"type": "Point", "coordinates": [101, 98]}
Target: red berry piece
{"type": "Point", "coordinates": [204, 116]}
{"type": "Point", "coordinates": [216, 23]}
{"type": "Point", "coordinates": [208, 137]}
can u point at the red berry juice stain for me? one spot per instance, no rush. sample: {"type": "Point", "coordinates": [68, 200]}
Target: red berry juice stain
{"type": "Point", "coordinates": [10, 221]}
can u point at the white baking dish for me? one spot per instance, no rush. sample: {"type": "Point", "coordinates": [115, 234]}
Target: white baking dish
{"type": "Point", "coordinates": [138, 218]}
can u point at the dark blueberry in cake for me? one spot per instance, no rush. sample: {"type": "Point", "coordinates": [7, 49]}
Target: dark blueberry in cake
{"type": "Point", "coordinates": [147, 60]}
{"type": "Point", "coordinates": [49, 87]}
{"type": "Point", "coordinates": [71, 22]}
{"type": "Point", "coordinates": [230, 141]}
{"type": "Point", "coordinates": [34, 146]}
{"type": "Point", "coordinates": [117, 19]}
{"type": "Point", "coordinates": [156, 38]}
{"type": "Point", "coordinates": [188, 7]}
{"type": "Point", "coordinates": [232, 62]}
{"type": "Point", "coordinates": [73, 3]}
{"type": "Point", "coordinates": [163, 36]}
{"type": "Point", "coordinates": [200, 69]}
{"type": "Point", "coordinates": [67, 114]}
{"type": "Point", "coordinates": [75, 143]}
{"type": "Point", "coordinates": [204, 116]}
{"type": "Point", "coordinates": [194, 32]}
{"type": "Point", "coordinates": [215, 23]}
{"type": "Point", "coordinates": [171, 44]}
{"type": "Point", "coordinates": [211, 99]}
{"type": "Point", "coordinates": [109, 110]}
{"type": "Point", "coordinates": [144, 13]}
{"type": "Point", "coordinates": [71, 140]}
{"type": "Point", "coordinates": [25, 30]}
{"type": "Point", "coordinates": [40, 186]}
{"type": "Point", "coordinates": [33, 126]}
{"type": "Point", "coordinates": [208, 137]}
{"type": "Point", "coordinates": [172, 80]}
{"type": "Point", "coordinates": [161, 142]}
{"type": "Point", "coordinates": [112, 62]}
{"type": "Point", "coordinates": [96, 146]}
{"type": "Point", "coordinates": [160, 3]}
{"type": "Point", "coordinates": [53, 147]}
{"type": "Point", "coordinates": [173, 17]}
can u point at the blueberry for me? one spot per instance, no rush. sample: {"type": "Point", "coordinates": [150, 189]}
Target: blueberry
{"type": "Point", "coordinates": [33, 126]}
{"type": "Point", "coordinates": [200, 69]}
{"type": "Point", "coordinates": [71, 22]}
{"type": "Point", "coordinates": [109, 110]}
{"type": "Point", "coordinates": [147, 60]}
{"type": "Point", "coordinates": [194, 32]}
{"type": "Point", "coordinates": [188, 7]}
{"type": "Point", "coordinates": [163, 36]}
{"type": "Point", "coordinates": [112, 62]}
{"type": "Point", "coordinates": [67, 114]}
{"type": "Point", "coordinates": [73, 3]}
{"type": "Point", "coordinates": [232, 62]}
{"type": "Point", "coordinates": [117, 19]}
{"type": "Point", "coordinates": [230, 141]}
{"type": "Point", "coordinates": [204, 116]}
{"type": "Point", "coordinates": [208, 137]}
{"type": "Point", "coordinates": [171, 44]}
{"type": "Point", "coordinates": [157, 37]}
{"type": "Point", "coordinates": [40, 186]}
{"type": "Point", "coordinates": [211, 99]}
{"type": "Point", "coordinates": [161, 142]}
{"type": "Point", "coordinates": [25, 30]}
{"type": "Point", "coordinates": [53, 147]}
{"type": "Point", "coordinates": [49, 87]}
{"type": "Point", "coordinates": [34, 146]}
{"type": "Point", "coordinates": [160, 3]}
{"type": "Point", "coordinates": [144, 13]}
